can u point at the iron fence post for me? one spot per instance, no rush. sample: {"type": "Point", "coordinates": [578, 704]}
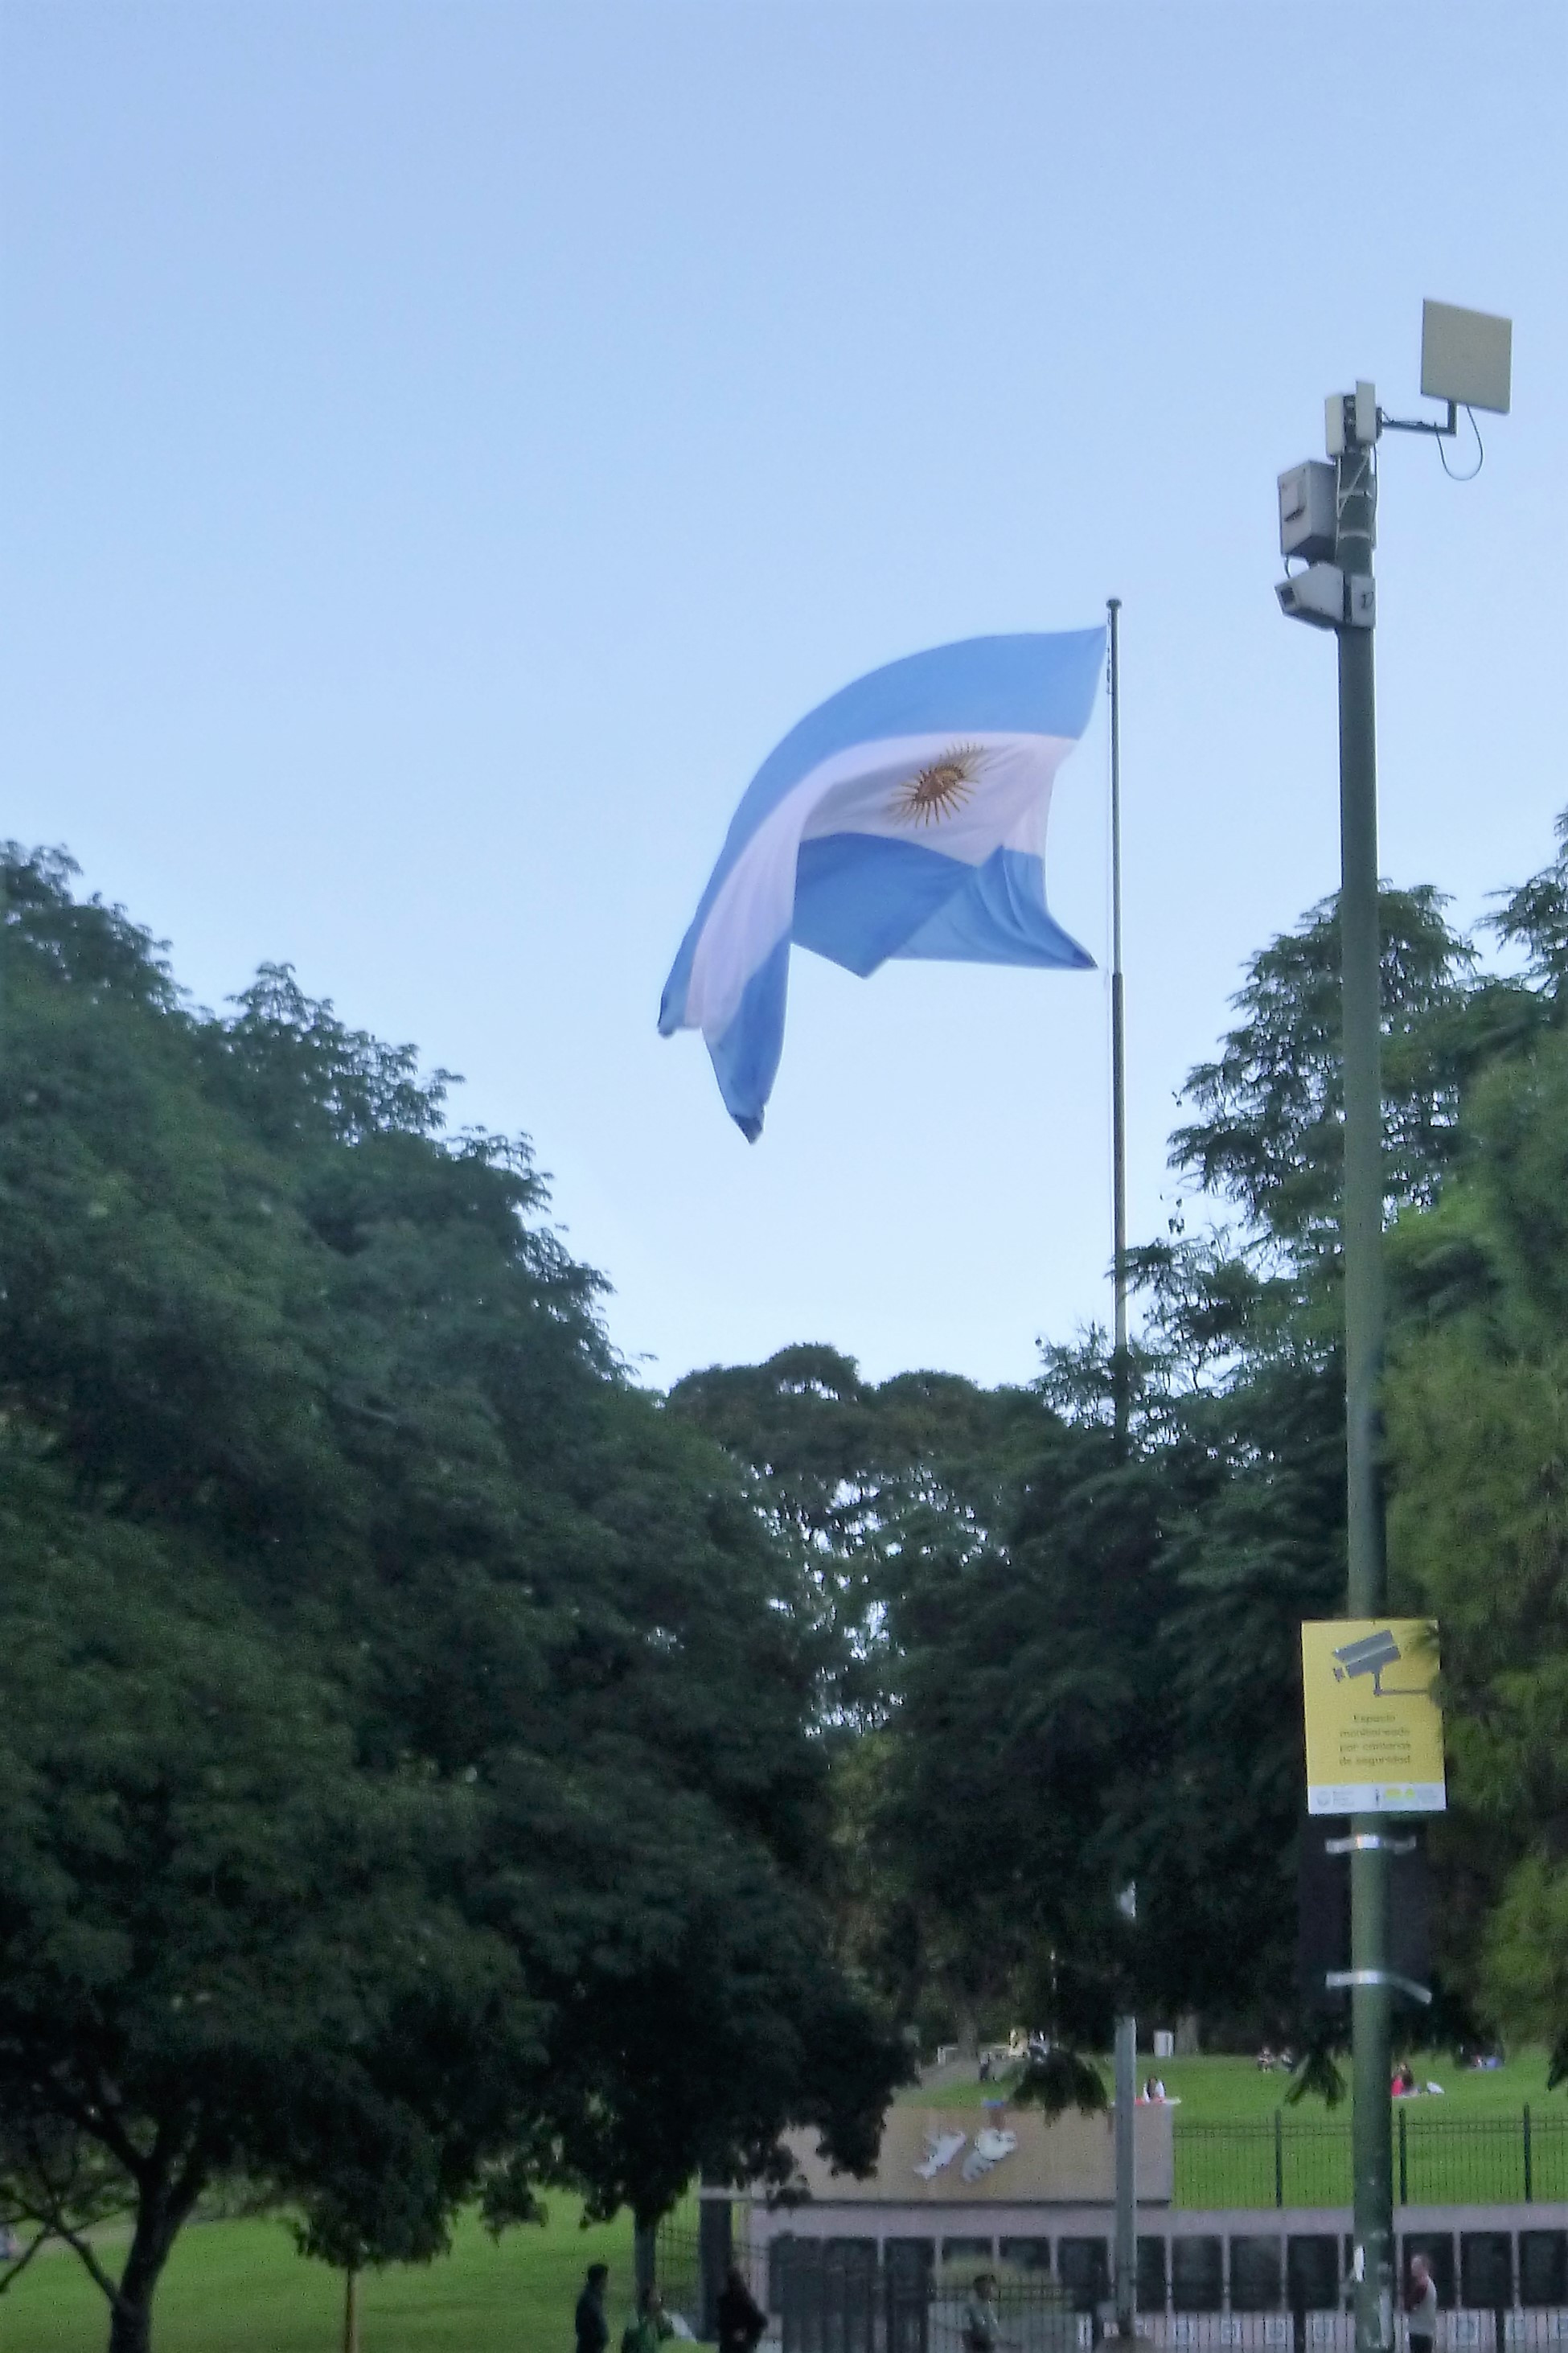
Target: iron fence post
{"type": "Point", "coordinates": [1404, 2161]}
{"type": "Point", "coordinates": [1529, 2164]}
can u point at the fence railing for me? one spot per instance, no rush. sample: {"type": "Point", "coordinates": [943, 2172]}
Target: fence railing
{"type": "Point", "coordinates": [679, 2269]}
{"type": "Point", "coordinates": [832, 2297]}
{"type": "Point", "coordinates": [1282, 2160]}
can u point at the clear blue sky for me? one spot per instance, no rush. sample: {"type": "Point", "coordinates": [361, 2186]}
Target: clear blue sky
{"type": "Point", "coordinates": [446, 445]}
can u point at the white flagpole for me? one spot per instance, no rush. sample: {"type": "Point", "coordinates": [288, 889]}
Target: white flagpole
{"type": "Point", "coordinates": [1120, 1365]}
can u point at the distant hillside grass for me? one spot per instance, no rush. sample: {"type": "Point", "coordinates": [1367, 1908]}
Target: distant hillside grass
{"type": "Point", "coordinates": [1228, 2090]}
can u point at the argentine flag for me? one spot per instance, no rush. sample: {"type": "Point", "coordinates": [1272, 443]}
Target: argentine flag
{"type": "Point", "coordinates": [904, 817]}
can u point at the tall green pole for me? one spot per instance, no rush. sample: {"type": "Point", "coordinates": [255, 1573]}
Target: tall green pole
{"type": "Point", "coordinates": [1361, 1230]}
{"type": "Point", "coordinates": [1125, 2280]}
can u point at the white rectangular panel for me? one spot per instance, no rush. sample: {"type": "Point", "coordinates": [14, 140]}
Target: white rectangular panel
{"type": "Point", "coordinates": [1467, 357]}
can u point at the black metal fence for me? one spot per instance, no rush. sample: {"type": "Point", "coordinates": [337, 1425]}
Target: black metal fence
{"type": "Point", "coordinates": [1502, 2283]}
{"type": "Point", "coordinates": [678, 2267]}
{"type": "Point", "coordinates": [844, 2297]}
{"type": "Point", "coordinates": [839, 2297]}
{"type": "Point", "coordinates": [1281, 2160]}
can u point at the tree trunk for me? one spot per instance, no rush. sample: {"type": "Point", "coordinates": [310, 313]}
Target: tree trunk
{"type": "Point", "coordinates": [160, 2211]}
{"type": "Point", "coordinates": [351, 2312]}
{"type": "Point", "coordinates": [131, 2326]}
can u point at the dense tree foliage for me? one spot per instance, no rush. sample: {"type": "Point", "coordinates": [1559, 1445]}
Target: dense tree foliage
{"type": "Point", "coordinates": [1270, 1108]}
{"type": "Point", "coordinates": [1078, 1665]}
{"type": "Point", "coordinates": [1478, 1402]}
{"type": "Point", "coordinates": [887, 1494]}
{"type": "Point", "coordinates": [1079, 1659]}
{"type": "Point", "coordinates": [406, 1727]}
{"type": "Point", "coordinates": [431, 1768]}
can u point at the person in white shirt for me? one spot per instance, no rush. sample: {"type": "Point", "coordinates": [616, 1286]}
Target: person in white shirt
{"type": "Point", "coordinates": [981, 2327]}
{"type": "Point", "coordinates": [1421, 2303]}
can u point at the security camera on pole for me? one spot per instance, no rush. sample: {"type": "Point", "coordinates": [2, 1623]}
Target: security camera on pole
{"type": "Point", "coordinates": [1328, 518]}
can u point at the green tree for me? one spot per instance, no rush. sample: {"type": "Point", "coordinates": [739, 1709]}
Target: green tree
{"type": "Point", "coordinates": [1470, 1109]}
{"type": "Point", "coordinates": [1268, 1136]}
{"type": "Point", "coordinates": [227, 1943]}
{"type": "Point", "coordinates": [850, 1475]}
{"type": "Point", "coordinates": [1246, 1396]}
{"type": "Point", "coordinates": [1027, 1697]}
{"type": "Point", "coordinates": [1113, 1689]}
{"type": "Point", "coordinates": [441, 1721]}
{"type": "Point", "coordinates": [1478, 1410]}
{"type": "Point", "coordinates": [1058, 1668]}
{"type": "Point", "coordinates": [880, 1492]}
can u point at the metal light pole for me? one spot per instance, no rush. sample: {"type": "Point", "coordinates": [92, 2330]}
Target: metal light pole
{"type": "Point", "coordinates": [1330, 513]}
{"type": "Point", "coordinates": [1372, 2113]}
{"type": "Point", "coordinates": [1328, 517]}
{"type": "Point", "coordinates": [1125, 2281]}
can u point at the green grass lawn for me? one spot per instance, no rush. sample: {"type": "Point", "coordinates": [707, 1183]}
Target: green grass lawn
{"type": "Point", "coordinates": [1230, 2090]}
{"type": "Point", "coordinates": [240, 2287]}
{"type": "Point", "coordinates": [1311, 2164]}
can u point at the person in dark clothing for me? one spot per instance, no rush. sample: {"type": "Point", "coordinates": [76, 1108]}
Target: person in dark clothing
{"type": "Point", "coordinates": [741, 2322]}
{"type": "Point", "coordinates": [593, 2328]}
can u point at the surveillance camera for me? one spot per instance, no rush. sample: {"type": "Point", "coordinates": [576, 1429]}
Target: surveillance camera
{"type": "Point", "coordinates": [1317, 595]}
{"type": "Point", "coordinates": [1325, 596]}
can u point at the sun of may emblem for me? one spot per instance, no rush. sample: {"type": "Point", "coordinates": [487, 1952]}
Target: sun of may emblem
{"type": "Point", "coordinates": [939, 791]}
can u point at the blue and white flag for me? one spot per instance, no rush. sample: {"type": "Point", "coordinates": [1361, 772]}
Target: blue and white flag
{"type": "Point", "coordinates": [904, 817]}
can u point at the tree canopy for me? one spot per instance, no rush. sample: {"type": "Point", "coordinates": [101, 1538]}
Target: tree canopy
{"type": "Point", "coordinates": [408, 1727]}
{"type": "Point", "coordinates": [1477, 1407]}
{"type": "Point", "coordinates": [1080, 1666]}
{"type": "Point", "coordinates": [432, 1767]}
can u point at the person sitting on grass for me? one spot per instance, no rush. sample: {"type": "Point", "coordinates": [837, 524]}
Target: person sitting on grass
{"type": "Point", "coordinates": [652, 2324]}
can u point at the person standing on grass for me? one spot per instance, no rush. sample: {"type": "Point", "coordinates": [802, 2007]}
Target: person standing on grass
{"type": "Point", "coordinates": [593, 2328]}
{"type": "Point", "coordinates": [741, 2321]}
{"type": "Point", "coordinates": [1421, 2303]}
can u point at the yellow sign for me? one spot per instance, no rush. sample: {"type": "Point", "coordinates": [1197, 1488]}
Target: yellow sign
{"type": "Point", "coordinates": [1374, 1733]}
